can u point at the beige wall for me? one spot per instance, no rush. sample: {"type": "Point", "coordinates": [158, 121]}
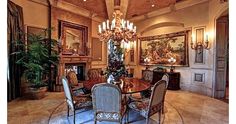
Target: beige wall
{"type": "Point", "coordinates": [35, 14]}
{"type": "Point", "coordinates": [103, 63]}
{"type": "Point", "coordinates": [191, 17]}
{"type": "Point", "coordinates": [204, 14]}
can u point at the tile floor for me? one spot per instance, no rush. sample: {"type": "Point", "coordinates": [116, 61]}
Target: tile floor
{"type": "Point", "coordinates": [181, 107]}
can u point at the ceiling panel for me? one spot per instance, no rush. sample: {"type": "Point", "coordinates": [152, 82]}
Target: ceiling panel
{"type": "Point", "coordinates": [140, 7]}
{"type": "Point", "coordinates": [96, 6]}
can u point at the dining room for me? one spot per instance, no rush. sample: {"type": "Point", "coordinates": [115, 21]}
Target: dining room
{"type": "Point", "coordinates": [118, 61]}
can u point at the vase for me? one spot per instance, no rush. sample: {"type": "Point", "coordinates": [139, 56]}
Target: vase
{"type": "Point", "coordinates": [110, 79]}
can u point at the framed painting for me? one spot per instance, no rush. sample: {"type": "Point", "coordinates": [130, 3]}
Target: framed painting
{"type": "Point", "coordinates": [157, 50]}
{"type": "Point", "coordinates": [74, 38]}
{"type": "Point", "coordinates": [37, 31]}
{"type": "Point", "coordinates": [96, 49]}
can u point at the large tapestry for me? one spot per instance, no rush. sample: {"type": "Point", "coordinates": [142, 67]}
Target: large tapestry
{"type": "Point", "coordinates": [157, 50]}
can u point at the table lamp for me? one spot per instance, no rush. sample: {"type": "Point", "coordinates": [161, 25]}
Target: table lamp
{"type": "Point", "coordinates": [147, 60]}
{"type": "Point", "coordinates": [172, 62]}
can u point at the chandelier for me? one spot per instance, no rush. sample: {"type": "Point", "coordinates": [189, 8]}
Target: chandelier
{"type": "Point", "coordinates": [118, 29]}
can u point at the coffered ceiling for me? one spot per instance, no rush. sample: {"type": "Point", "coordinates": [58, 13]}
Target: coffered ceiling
{"type": "Point", "coordinates": [137, 8]}
{"type": "Point", "coordinates": [94, 6]}
{"type": "Point", "coordinates": [133, 10]}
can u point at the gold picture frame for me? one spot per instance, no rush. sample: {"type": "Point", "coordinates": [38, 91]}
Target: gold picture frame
{"type": "Point", "coordinates": [160, 48]}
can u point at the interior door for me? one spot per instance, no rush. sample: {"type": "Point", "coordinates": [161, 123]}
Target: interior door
{"type": "Point", "coordinates": [222, 35]}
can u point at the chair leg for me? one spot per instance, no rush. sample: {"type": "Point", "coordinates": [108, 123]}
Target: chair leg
{"type": "Point", "coordinates": [95, 121]}
{"type": "Point", "coordinates": [147, 120]}
{"type": "Point", "coordinates": [127, 116]}
{"type": "Point", "coordinates": [95, 118]}
{"type": "Point", "coordinates": [159, 120]}
{"type": "Point", "coordinates": [68, 111]}
{"type": "Point", "coordinates": [74, 116]}
{"type": "Point", "coordinates": [163, 106]}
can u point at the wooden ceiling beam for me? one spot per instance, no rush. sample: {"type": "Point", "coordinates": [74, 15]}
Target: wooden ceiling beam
{"type": "Point", "coordinates": [110, 8]}
{"type": "Point", "coordinates": [77, 10]}
{"type": "Point", "coordinates": [124, 7]}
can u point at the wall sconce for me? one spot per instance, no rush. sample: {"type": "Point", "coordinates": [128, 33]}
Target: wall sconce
{"type": "Point", "coordinates": [200, 43]}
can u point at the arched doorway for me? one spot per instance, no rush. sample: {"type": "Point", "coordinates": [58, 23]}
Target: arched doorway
{"type": "Point", "coordinates": [222, 60]}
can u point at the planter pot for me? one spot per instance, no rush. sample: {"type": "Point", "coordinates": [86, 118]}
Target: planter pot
{"type": "Point", "coordinates": [37, 93]}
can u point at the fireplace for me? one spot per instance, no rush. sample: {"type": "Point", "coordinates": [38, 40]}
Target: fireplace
{"type": "Point", "coordinates": [81, 64]}
{"type": "Point", "coordinates": [79, 69]}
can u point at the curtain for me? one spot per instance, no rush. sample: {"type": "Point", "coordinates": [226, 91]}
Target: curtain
{"type": "Point", "coordinates": [15, 31]}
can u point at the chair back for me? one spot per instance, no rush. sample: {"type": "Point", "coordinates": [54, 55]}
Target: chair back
{"type": "Point", "coordinates": [94, 74]}
{"type": "Point", "coordinates": [166, 78]}
{"type": "Point", "coordinates": [157, 97]}
{"type": "Point", "coordinates": [67, 92]}
{"type": "Point", "coordinates": [72, 79]}
{"type": "Point", "coordinates": [147, 75]}
{"type": "Point", "coordinates": [106, 101]}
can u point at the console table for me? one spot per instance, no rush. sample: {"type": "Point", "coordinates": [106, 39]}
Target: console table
{"type": "Point", "coordinates": [174, 79]}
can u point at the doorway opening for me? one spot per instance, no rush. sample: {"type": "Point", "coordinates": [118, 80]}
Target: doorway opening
{"type": "Point", "coordinates": [222, 58]}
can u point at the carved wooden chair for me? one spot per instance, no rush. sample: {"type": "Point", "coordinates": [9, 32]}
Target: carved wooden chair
{"type": "Point", "coordinates": [149, 107]}
{"type": "Point", "coordinates": [94, 74]}
{"type": "Point", "coordinates": [107, 103]}
{"type": "Point", "coordinates": [94, 77]}
{"type": "Point", "coordinates": [147, 75]}
{"type": "Point", "coordinates": [74, 102]}
{"type": "Point", "coordinates": [76, 86]}
{"type": "Point", "coordinates": [166, 78]}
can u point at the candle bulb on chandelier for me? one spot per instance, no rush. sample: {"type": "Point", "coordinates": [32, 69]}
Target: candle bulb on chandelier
{"type": "Point", "coordinates": [112, 23]}
{"type": "Point", "coordinates": [134, 29]}
{"type": "Point", "coordinates": [107, 24]}
{"type": "Point", "coordinates": [127, 24]}
{"type": "Point", "coordinates": [131, 26]}
{"type": "Point", "coordinates": [124, 24]}
{"type": "Point", "coordinates": [99, 29]}
{"type": "Point", "coordinates": [104, 25]}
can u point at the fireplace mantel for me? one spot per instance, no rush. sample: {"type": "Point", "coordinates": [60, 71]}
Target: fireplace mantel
{"type": "Point", "coordinates": [70, 59]}
{"type": "Point", "coordinates": [75, 59]}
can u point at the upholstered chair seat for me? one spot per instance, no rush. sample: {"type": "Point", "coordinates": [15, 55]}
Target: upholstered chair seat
{"type": "Point", "coordinates": [81, 102]}
{"type": "Point", "coordinates": [148, 107]}
{"type": "Point", "coordinates": [140, 106]}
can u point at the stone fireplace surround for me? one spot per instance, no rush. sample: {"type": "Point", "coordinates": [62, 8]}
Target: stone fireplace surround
{"type": "Point", "coordinates": [70, 60]}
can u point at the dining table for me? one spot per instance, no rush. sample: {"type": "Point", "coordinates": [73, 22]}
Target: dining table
{"type": "Point", "coordinates": [127, 85]}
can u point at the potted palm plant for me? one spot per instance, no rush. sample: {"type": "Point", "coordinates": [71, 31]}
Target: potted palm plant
{"type": "Point", "coordinates": [36, 59]}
